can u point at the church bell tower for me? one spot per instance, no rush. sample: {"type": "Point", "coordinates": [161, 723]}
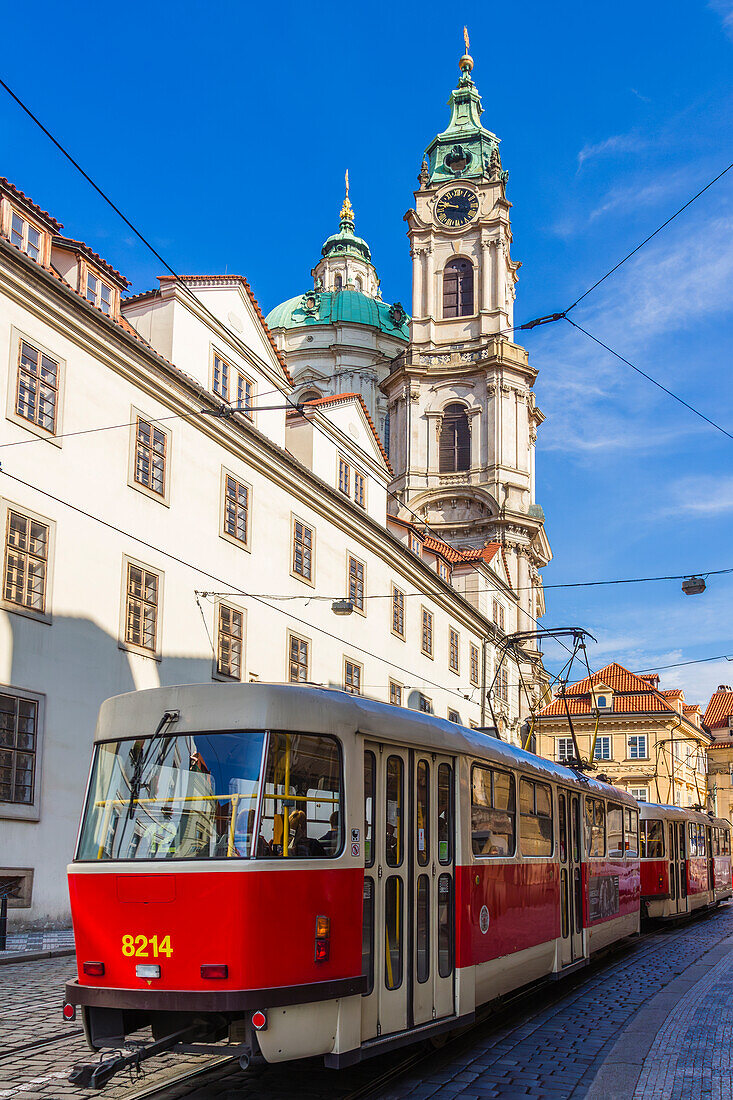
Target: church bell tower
{"type": "Point", "coordinates": [462, 412]}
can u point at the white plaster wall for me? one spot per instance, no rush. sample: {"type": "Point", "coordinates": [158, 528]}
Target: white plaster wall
{"type": "Point", "coordinates": [76, 661]}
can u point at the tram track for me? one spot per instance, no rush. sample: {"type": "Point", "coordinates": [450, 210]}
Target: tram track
{"type": "Point", "coordinates": [39, 1044]}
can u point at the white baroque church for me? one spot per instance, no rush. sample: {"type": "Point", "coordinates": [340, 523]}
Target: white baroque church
{"type": "Point", "coordinates": [450, 391]}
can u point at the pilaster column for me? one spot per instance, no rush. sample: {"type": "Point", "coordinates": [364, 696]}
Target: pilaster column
{"type": "Point", "coordinates": [486, 274]}
{"type": "Point", "coordinates": [430, 283]}
{"type": "Point", "coordinates": [417, 282]}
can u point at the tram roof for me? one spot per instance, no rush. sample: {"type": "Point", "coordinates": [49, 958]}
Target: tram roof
{"type": "Point", "coordinates": [678, 813]}
{"type": "Point", "coordinates": [206, 707]}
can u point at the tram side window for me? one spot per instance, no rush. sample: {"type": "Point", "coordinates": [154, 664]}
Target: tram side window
{"type": "Point", "coordinates": [595, 821]}
{"type": "Point", "coordinates": [393, 841]}
{"type": "Point", "coordinates": [367, 936]}
{"type": "Point", "coordinates": [423, 812]}
{"type": "Point", "coordinates": [652, 839]}
{"type": "Point", "coordinates": [445, 814]}
{"type": "Point", "coordinates": [535, 818]}
{"type": "Point", "coordinates": [615, 828]}
{"type": "Point", "coordinates": [301, 810]}
{"type": "Point", "coordinates": [702, 848]}
{"type": "Point", "coordinates": [631, 833]}
{"type": "Point", "coordinates": [692, 828]}
{"type": "Point", "coordinates": [716, 842]}
{"type": "Point", "coordinates": [370, 770]}
{"type": "Point", "coordinates": [726, 842]}
{"type": "Point", "coordinates": [493, 812]}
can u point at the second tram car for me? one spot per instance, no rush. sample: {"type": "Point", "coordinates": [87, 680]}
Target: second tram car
{"type": "Point", "coordinates": [685, 860]}
{"type": "Point", "coordinates": [300, 872]}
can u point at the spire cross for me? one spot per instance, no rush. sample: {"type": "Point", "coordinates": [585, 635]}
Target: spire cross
{"type": "Point", "coordinates": [465, 39]}
{"type": "Point", "coordinates": [347, 211]}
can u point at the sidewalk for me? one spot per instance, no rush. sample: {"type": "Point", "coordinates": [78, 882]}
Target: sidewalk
{"type": "Point", "coordinates": [26, 946]}
{"type": "Point", "coordinates": [678, 1046]}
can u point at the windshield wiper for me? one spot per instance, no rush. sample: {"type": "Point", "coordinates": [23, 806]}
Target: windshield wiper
{"type": "Point", "coordinates": [169, 717]}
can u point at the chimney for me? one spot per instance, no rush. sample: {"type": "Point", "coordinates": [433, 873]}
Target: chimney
{"type": "Point", "coordinates": [724, 687]}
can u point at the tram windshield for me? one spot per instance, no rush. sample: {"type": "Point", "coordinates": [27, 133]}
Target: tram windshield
{"type": "Point", "coordinates": [199, 796]}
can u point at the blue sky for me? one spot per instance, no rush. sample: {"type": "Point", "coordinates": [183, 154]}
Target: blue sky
{"type": "Point", "coordinates": [223, 131]}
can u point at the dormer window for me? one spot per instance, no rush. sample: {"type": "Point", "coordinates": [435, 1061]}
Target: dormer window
{"type": "Point", "coordinates": [415, 544]}
{"type": "Point", "coordinates": [99, 294]}
{"type": "Point", "coordinates": [603, 697]}
{"type": "Point", "coordinates": [25, 237]}
{"type": "Point", "coordinates": [602, 701]}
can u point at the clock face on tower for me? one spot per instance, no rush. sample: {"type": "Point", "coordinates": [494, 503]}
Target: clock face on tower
{"type": "Point", "coordinates": [456, 208]}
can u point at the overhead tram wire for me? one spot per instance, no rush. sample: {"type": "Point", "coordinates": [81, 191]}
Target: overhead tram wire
{"type": "Point", "coordinates": [235, 588]}
{"type": "Point", "coordinates": [682, 664]}
{"type": "Point", "coordinates": [649, 378]}
{"type": "Point", "coordinates": [199, 303]}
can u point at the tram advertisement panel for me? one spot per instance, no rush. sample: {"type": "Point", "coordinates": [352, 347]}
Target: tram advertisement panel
{"type": "Point", "coordinates": [603, 897]}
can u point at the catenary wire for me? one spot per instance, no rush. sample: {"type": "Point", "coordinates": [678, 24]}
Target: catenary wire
{"type": "Point", "coordinates": [681, 664]}
{"type": "Point", "coordinates": [649, 238]}
{"type": "Point", "coordinates": [649, 378]}
{"type": "Point", "coordinates": [240, 591]}
{"type": "Point", "coordinates": [183, 283]}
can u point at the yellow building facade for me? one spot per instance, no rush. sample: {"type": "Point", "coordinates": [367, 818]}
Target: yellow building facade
{"type": "Point", "coordinates": [719, 720]}
{"type": "Point", "coordinates": [649, 742]}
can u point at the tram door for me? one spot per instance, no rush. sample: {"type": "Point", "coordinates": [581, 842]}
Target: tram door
{"type": "Point", "coordinates": [711, 864]}
{"type": "Point", "coordinates": [678, 870]}
{"type": "Point", "coordinates": [407, 946]}
{"type": "Point", "coordinates": [571, 879]}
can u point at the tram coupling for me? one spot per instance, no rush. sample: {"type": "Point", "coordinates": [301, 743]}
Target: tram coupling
{"type": "Point", "coordinates": [95, 1075]}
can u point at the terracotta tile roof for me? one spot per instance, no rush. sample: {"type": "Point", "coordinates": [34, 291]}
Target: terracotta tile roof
{"type": "Point", "coordinates": [689, 708]}
{"type": "Point", "coordinates": [673, 693]}
{"type": "Point", "coordinates": [342, 398]}
{"type": "Point", "coordinates": [719, 710]}
{"type": "Point", "coordinates": [622, 704]}
{"type": "Point", "coordinates": [80, 246]}
{"type": "Point", "coordinates": [16, 193]}
{"type": "Point", "coordinates": [223, 280]}
{"type": "Point", "coordinates": [614, 676]}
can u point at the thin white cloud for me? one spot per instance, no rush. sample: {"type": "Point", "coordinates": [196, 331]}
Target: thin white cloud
{"type": "Point", "coordinates": [703, 497]}
{"type": "Point", "coordinates": [724, 8]}
{"type": "Point", "coordinates": [611, 146]}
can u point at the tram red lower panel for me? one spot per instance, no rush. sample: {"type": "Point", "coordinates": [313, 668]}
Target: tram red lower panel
{"type": "Point", "coordinates": [697, 875]}
{"type": "Point", "coordinates": [654, 878]}
{"type": "Point", "coordinates": [721, 872]}
{"type": "Point", "coordinates": [522, 902]}
{"type": "Point", "coordinates": [261, 924]}
{"type": "Point", "coordinates": [610, 889]}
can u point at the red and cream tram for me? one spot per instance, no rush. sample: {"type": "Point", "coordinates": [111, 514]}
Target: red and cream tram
{"type": "Point", "coordinates": [685, 860]}
{"type": "Point", "coordinates": [303, 872]}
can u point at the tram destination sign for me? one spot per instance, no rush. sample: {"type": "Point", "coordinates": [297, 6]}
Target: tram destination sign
{"type": "Point", "coordinates": [602, 897]}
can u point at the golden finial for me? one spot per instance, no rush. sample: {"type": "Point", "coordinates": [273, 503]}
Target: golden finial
{"type": "Point", "coordinates": [347, 211]}
{"type": "Point", "coordinates": [466, 62]}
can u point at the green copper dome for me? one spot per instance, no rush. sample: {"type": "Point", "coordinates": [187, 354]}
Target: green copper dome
{"type": "Point", "coordinates": [322, 307]}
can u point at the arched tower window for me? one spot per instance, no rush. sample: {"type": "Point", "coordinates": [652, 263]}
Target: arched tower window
{"type": "Point", "coordinates": [359, 284]}
{"type": "Point", "coordinates": [458, 288]}
{"type": "Point", "coordinates": [310, 395]}
{"type": "Point", "coordinates": [454, 452]}
{"type": "Point", "coordinates": [338, 283]}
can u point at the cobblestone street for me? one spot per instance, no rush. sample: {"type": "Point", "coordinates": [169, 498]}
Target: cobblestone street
{"type": "Point", "coordinates": [654, 1021]}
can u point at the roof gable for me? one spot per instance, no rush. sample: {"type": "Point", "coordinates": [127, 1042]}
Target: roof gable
{"type": "Point", "coordinates": [358, 401]}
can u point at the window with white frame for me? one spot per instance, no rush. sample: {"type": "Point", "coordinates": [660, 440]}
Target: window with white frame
{"type": "Point", "coordinates": [298, 659]}
{"type": "Point", "coordinates": [245, 395]}
{"type": "Point", "coordinates": [564, 749]}
{"type": "Point", "coordinates": [352, 483]}
{"type": "Point", "coordinates": [220, 376]}
{"type": "Point", "coordinates": [398, 612]}
{"type": "Point", "coordinates": [27, 543]}
{"type": "Point", "coordinates": [352, 676]}
{"type": "Point", "coordinates": [637, 746]}
{"type": "Point", "coordinates": [25, 236]}
{"type": "Point", "coordinates": [442, 570]}
{"type": "Point", "coordinates": [151, 456]}
{"type": "Point", "coordinates": [503, 684]}
{"type": "Point", "coordinates": [236, 508]}
{"type": "Point", "coordinates": [19, 722]}
{"type": "Point", "coordinates": [454, 716]}
{"type": "Point", "coordinates": [415, 544]}
{"type": "Point", "coordinates": [359, 489]}
{"type": "Point", "coordinates": [142, 607]}
{"type": "Point", "coordinates": [344, 477]}
{"type": "Point", "coordinates": [98, 293]}
{"type": "Point", "coordinates": [37, 389]}
{"type": "Point", "coordinates": [229, 642]}
{"type": "Point", "coordinates": [303, 539]}
{"type": "Point", "coordinates": [426, 642]}
{"type": "Point", "coordinates": [603, 749]}
{"type": "Point", "coordinates": [641, 794]}
{"type": "Point", "coordinates": [424, 704]}
{"type": "Point", "coordinates": [454, 650]}
{"type": "Point", "coordinates": [474, 671]}
{"type": "Point", "coordinates": [498, 614]}
{"type": "Point", "coordinates": [395, 693]}
{"type": "Point", "coordinates": [356, 581]}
